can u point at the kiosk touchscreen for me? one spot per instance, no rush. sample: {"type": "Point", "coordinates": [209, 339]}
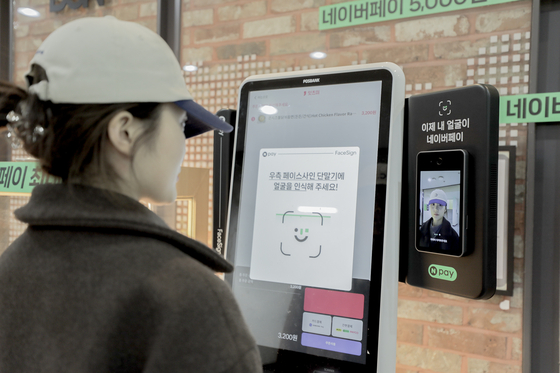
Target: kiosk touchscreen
{"type": "Point", "coordinates": [314, 216]}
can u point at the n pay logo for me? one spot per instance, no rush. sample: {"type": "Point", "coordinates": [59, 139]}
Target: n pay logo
{"type": "Point", "coordinates": [442, 272]}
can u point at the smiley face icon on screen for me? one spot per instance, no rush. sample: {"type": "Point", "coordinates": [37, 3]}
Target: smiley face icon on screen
{"type": "Point", "coordinates": [305, 244]}
{"type": "Point", "coordinates": [299, 233]}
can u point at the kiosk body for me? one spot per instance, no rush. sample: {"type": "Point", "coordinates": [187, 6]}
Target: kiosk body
{"type": "Point", "coordinates": [314, 213]}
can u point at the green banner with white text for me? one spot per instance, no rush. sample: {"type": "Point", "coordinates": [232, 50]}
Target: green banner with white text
{"type": "Point", "coordinates": [361, 12]}
{"type": "Point", "coordinates": [531, 108]}
{"type": "Point", "coordinates": [21, 177]}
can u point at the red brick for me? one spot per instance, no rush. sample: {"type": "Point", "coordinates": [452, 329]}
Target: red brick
{"type": "Point", "coordinates": [332, 60]}
{"type": "Point", "coordinates": [503, 20]}
{"type": "Point", "coordinates": [248, 10]}
{"type": "Point", "coordinates": [197, 54]}
{"type": "Point", "coordinates": [424, 311]}
{"type": "Point", "coordinates": [497, 320]}
{"type": "Point", "coordinates": [482, 366]}
{"type": "Point", "coordinates": [518, 270]}
{"type": "Point", "coordinates": [216, 34]}
{"type": "Point", "coordinates": [459, 49]}
{"type": "Point", "coordinates": [124, 1]}
{"type": "Point", "coordinates": [409, 332]}
{"type": "Point", "coordinates": [360, 36]}
{"type": "Point", "coordinates": [127, 13]}
{"type": "Point", "coordinates": [432, 28]}
{"type": "Point", "coordinates": [280, 6]}
{"type": "Point", "coordinates": [468, 342]}
{"type": "Point", "coordinates": [439, 76]}
{"type": "Point", "coordinates": [290, 44]}
{"type": "Point", "coordinates": [269, 27]}
{"type": "Point", "coordinates": [148, 10]}
{"type": "Point", "coordinates": [406, 290]}
{"type": "Point", "coordinates": [231, 51]}
{"type": "Point", "coordinates": [283, 63]}
{"type": "Point", "coordinates": [28, 44]}
{"type": "Point", "coordinates": [309, 21]}
{"type": "Point", "coordinates": [516, 348]}
{"type": "Point", "coordinates": [198, 17]}
{"type": "Point", "coordinates": [516, 301]}
{"type": "Point", "coordinates": [150, 23]}
{"type": "Point", "coordinates": [403, 370]}
{"type": "Point", "coordinates": [186, 37]}
{"type": "Point", "coordinates": [425, 358]}
{"type": "Point", "coordinates": [45, 27]}
{"type": "Point", "coordinates": [21, 31]}
{"type": "Point", "coordinates": [208, 3]}
{"type": "Point", "coordinates": [398, 55]}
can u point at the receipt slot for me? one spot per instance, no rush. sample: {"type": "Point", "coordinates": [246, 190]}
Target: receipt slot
{"type": "Point", "coordinates": [449, 222]}
{"type": "Point", "coordinates": [314, 216]}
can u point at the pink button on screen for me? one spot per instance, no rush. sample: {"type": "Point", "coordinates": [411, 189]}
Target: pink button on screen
{"type": "Point", "coordinates": [334, 303]}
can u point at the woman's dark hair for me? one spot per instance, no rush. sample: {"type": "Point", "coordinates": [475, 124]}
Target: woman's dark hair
{"type": "Point", "coordinates": [10, 97]}
{"type": "Point", "coordinates": [73, 143]}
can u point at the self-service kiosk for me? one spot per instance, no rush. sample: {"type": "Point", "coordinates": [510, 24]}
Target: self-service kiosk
{"type": "Point", "coordinates": [313, 227]}
{"type": "Point", "coordinates": [314, 222]}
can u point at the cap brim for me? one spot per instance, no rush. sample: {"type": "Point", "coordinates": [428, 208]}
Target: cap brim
{"type": "Point", "coordinates": [200, 120]}
{"type": "Point", "coordinates": [440, 201]}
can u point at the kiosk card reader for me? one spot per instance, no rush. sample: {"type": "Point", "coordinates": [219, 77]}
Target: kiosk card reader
{"type": "Point", "coordinates": [313, 227]}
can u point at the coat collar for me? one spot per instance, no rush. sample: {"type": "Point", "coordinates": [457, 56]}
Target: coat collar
{"type": "Point", "coordinates": [78, 206]}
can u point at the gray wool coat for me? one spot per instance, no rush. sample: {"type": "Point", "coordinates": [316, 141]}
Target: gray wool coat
{"type": "Point", "coordinates": [98, 283]}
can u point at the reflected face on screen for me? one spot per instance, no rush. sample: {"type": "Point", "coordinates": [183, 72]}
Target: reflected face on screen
{"type": "Point", "coordinates": [437, 211]}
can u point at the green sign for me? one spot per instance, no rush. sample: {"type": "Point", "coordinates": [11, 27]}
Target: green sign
{"type": "Point", "coordinates": [442, 272]}
{"type": "Point", "coordinates": [21, 177]}
{"type": "Point", "coordinates": [366, 11]}
{"type": "Point", "coordinates": [538, 107]}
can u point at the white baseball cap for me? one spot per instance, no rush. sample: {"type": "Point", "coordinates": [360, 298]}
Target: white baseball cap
{"type": "Point", "coordinates": [103, 60]}
{"type": "Point", "coordinates": [438, 196]}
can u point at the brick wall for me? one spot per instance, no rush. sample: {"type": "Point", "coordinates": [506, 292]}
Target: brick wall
{"type": "Point", "coordinates": [231, 39]}
{"type": "Point", "coordinates": [30, 32]}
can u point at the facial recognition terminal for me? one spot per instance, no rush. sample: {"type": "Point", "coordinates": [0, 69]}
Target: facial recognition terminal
{"type": "Point", "coordinates": [314, 215]}
{"type": "Point", "coordinates": [449, 226]}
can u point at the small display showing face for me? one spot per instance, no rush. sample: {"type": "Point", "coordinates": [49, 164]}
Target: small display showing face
{"type": "Point", "coordinates": [441, 214]}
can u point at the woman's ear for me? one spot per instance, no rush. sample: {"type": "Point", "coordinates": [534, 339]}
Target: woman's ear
{"type": "Point", "coordinates": [123, 130]}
